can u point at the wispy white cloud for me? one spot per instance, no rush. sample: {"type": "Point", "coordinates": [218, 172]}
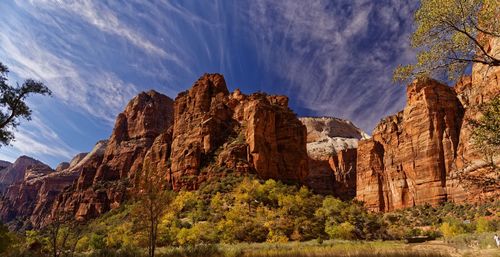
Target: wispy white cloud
{"type": "Point", "coordinates": [124, 20]}
{"type": "Point", "coordinates": [102, 18]}
{"type": "Point", "coordinates": [37, 139]}
{"type": "Point", "coordinates": [337, 55]}
{"type": "Point", "coordinates": [97, 93]}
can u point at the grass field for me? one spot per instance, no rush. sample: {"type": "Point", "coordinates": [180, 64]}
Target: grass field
{"type": "Point", "coordinates": [305, 249]}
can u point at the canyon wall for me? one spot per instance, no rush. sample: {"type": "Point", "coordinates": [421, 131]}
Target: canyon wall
{"type": "Point", "coordinates": [206, 134]}
{"type": "Point", "coordinates": [216, 132]}
{"type": "Point", "coordinates": [420, 155]}
{"type": "Point", "coordinates": [425, 153]}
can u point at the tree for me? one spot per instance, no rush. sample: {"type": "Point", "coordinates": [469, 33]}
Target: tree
{"type": "Point", "coordinates": [450, 229]}
{"type": "Point", "coordinates": [5, 238]}
{"type": "Point", "coordinates": [12, 103]}
{"type": "Point", "coordinates": [344, 230]}
{"type": "Point", "coordinates": [450, 35]}
{"type": "Point", "coordinates": [486, 130]}
{"type": "Point", "coordinates": [63, 235]}
{"type": "Point", "coordinates": [153, 202]}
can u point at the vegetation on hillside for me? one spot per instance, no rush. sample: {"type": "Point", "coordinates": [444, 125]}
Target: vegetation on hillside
{"type": "Point", "coordinates": [254, 211]}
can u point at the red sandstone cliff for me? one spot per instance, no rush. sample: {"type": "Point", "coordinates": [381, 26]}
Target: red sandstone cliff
{"type": "Point", "coordinates": [257, 133]}
{"type": "Point", "coordinates": [11, 173]}
{"type": "Point", "coordinates": [206, 134]}
{"type": "Point", "coordinates": [425, 153]}
{"type": "Point", "coordinates": [115, 167]}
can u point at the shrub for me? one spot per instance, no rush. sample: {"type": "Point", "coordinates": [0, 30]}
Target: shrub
{"type": "Point", "coordinates": [5, 238]}
{"type": "Point", "coordinates": [484, 225]}
{"type": "Point", "coordinates": [97, 241]}
{"type": "Point", "coordinates": [344, 230]}
{"type": "Point", "coordinates": [451, 229]}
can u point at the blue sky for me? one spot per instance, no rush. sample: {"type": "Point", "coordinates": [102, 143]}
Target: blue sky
{"type": "Point", "coordinates": [332, 58]}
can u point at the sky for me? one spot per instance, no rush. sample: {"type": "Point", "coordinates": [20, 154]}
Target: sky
{"type": "Point", "coordinates": [331, 58]}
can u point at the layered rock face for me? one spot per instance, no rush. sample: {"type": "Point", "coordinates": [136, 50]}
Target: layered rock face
{"type": "Point", "coordinates": [31, 199]}
{"type": "Point", "coordinates": [410, 154]}
{"type": "Point", "coordinates": [145, 117]}
{"type": "Point", "coordinates": [425, 154]}
{"type": "Point", "coordinates": [14, 173]}
{"type": "Point", "coordinates": [20, 197]}
{"type": "Point", "coordinates": [115, 166]}
{"type": "Point", "coordinates": [474, 180]}
{"type": "Point", "coordinates": [331, 146]}
{"type": "Point", "coordinates": [207, 133]}
{"type": "Point", "coordinates": [254, 133]}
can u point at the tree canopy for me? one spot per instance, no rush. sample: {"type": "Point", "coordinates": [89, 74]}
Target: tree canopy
{"type": "Point", "coordinates": [450, 35]}
{"type": "Point", "coordinates": [12, 103]}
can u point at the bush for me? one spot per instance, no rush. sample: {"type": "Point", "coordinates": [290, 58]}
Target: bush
{"type": "Point", "coordinates": [484, 225]}
{"type": "Point", "coordinates": [5, 238]}
{"type": "Point", "coordinates": [97, 242]}
{"type": "Point", "coordinates": [482, 240]}
{"type": "Point", "coordinates": [344, 230]}
{"type": "Point", "coordinates": [451, 229]}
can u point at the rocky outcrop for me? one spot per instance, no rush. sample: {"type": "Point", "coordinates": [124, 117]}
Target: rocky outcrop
{"type": "Point", "coordinates": [21, 196]}
{"type": "Point", "coordinates": [62, 166]}
{"type": "Point", "coordinates": [410, 154]}
{"type": "Point", "coordinates": [331, 146]}
{"type": "Point", "coordinates": [4, 165]}
{"type": "Point", "coordinates": [276, 139]}
{"type": "Point", "coordinates": [343, 165]}
{"type": "Point", "coordinates": [29, 202]}
{"type": "Point", "coordinates": [72, 197]}
{"type": "Point", "coordinates": [14, 173]}
{"type": "Point", "coordinates": [145, 117]}
{"type": "Point", "coordinates": [473, 179]}
{"type": "Point", "coordinates": [114, 167]}
{"type": "Point", "coordinates": [215, 131]}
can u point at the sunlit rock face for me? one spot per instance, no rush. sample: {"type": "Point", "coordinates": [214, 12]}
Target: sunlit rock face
{"type": "Point", "coordinates": [28, 202]}
{"type": "Point", "coordinates": [407, 160]}
{"type": "Point", "coordinates": [425, 153]}
{"type": "Point", "coordinates": [473, 180]}
{"type": "Point", "coordinates": [254, 133]}
{"type": "Point", "coordinates": [114, 166]}
{"type": "Point", "coordinates": [331, 147]}
{"type": "Point", "coordinates": [207, 133]}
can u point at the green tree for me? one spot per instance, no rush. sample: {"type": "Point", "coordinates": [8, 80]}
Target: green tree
{"type": "Point", "coordinates": [484, 225]}
{"type": "Point", "coordinates": [62, 235]}
{"type": "Point", "coordinates": [450, 229]}
{"type": "Point", "coordinates": [12, 103]}
{"type": "Point", "coordinates": [5, 238]}
{"type": "Point", "coordinates": [450, 35]}
{"type": "Point", "coordinates": [344, 230]}
{"type": "Point", "coordinates": [486, 130]}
